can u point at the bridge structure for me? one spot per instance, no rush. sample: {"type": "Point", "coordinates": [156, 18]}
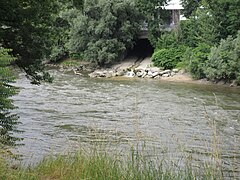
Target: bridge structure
{"type": "Point", "coordinates": [175, 6]}
{"type": "Point", "coordinates": [143, 34]}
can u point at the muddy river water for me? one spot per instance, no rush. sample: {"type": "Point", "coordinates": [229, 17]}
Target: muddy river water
{"type": "Point", "coordinates": [174, 120]}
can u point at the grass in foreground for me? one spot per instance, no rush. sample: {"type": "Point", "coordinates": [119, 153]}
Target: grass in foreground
{"type": "Point", "coordinates": [102, 166]}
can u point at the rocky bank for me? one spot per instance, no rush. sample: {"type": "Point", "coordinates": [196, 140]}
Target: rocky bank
{"type": "Point", "coordinates": [140, 68]}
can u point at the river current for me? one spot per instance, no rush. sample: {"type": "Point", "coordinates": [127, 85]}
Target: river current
{"type": "Point", "coordinates": [172, 120]}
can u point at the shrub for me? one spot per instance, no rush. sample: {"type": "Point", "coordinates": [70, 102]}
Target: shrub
{"type": "Point", "coordinates": [168, 58]}
{"type": "Point", "coordinates": [224, 60]}
{"type": "Point", "coordinates": [197, 60]}
{"type": "Point", "coordinates": [167, 40]}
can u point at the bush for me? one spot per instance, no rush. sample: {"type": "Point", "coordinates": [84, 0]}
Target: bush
{"type": "Point", "coordinates": [167, 40]}
{"type": "Point", "coordinates": [168, 58]}
{"type": "Point", "coordinates": [224, 60]}
{"type": "Point", "coordinates": [197, 59]}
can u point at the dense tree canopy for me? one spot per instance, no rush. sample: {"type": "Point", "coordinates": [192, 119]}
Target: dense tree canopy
{"type": "Point", "coordinates": [224, 12]}
{"type": "Point", "coordinates": [26, 27]}
{"type": "Point", "coordinates": [105, 30]}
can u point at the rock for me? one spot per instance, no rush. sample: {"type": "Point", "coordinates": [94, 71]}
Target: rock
{"type": "Point", "coordinates": [101, 74]}
{"type": "Point", "coordinates": [173, 74]}
{"type": "Point", "coordinates": [97, 74]}
{"type": "Point", "coordinates": [108, 75]}
{"type": "Point", "coordinates": [144, 74]}
{"type": "Point", "coordinates": [140, 73]}
{"type": "Point", "coordinates": [120, 73]}
{"type": "Point", "coordinates": [138, 69]}
{"type": "Point", "coordinates": [165, 75]}
{"type": "Point", "coordinates": [105, 72]}
{"type": "Point", "coordinates": [77, 72]}
{"type": "Point", "coordinates": [155, 74]}
{"type": "Point", "coordinates": [150, 74]}
{"type": "Point", "coordinates": [130, 74]}
{"type": "Point", "coordinates": [154, 69]}
{"type": "Point", "coordinates": [114, 74]}
{"type": "Point", "coordinates": [92, 75]}
{"type": "Point", "coordinates": [175, 70]}
{"type": "Point", "coordinates": [165, 72]}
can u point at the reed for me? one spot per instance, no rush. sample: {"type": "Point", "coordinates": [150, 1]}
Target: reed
{"type": "Point", "coordinates": [101, 165]}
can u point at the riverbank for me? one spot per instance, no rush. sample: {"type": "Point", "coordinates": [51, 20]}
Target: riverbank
{"type": "Point", "coordinates": [132, 67]}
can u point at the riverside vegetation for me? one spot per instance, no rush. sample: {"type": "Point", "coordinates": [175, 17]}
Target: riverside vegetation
{"type": "Point", "coordinates": [95, 165]}
{"type": "Point", "coordinates": [101, 31]}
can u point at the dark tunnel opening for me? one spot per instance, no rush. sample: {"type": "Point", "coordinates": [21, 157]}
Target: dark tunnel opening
{"type": "Point", "coordinates": [141, 49]}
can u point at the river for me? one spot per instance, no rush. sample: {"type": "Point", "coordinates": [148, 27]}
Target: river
{"type": "Point", "coordinates": [173, 120]}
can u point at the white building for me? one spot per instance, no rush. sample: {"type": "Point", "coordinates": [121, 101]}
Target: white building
{"type": "Point", "coordinates": [175, 6]}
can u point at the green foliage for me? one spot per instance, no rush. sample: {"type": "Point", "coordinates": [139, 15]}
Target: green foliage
{"type": "Point", "coordinates": [196, 59]}
{"type": "Point", "coordinates": [226, 15]}
{"type": "Point", "coordinates": [8, 121]}
{"type": "Point", "coordinates": [105, 30]}
{"type": "Point", "coordinates": [26, 27]}
{"type": "Point", "coordinates": [63, 22]}
{"type": "Point", "coordinates": [103, 166]}
{"type": "Point", "coordinates": [168, 58]}
{"type": "Point", "coordinates": [167, 40]}
{"type": "Point", "coordinates": [104, 51]}
{"type": "Point", "coordinates": [200, 28]}
{"type": "Point", "coordinates": [190, 6]}
{"type": "Point", "coordinates": [224, 60]}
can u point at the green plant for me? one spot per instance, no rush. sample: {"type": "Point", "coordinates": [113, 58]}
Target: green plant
{"type": "Point", "coordinates": [168, 58]}
{"type": "Point", "coordinates": [8, 121]}
{"type": "Point", "coordinates": [105, 30]}
{"type": "Point", "coordinates": [223, 63]}
{"type": "Point", "coordinates": [200, 28]}
{"type": "Point", "coordinates": [167, 40]}
{"type": "Point", "coordinates": [197, 60]}
{"type": "Point", "coordinates": [70, 63]}
{"type": "Point", "coordinates": [94, 165]}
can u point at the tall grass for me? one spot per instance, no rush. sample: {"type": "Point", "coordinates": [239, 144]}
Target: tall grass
{"type": "Point", "coordinates": [95, 165]}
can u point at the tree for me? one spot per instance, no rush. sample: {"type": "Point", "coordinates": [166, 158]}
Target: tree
{"type": "Point", "coordinates": [26, 27]}
{"type": "Point", "coordinates": [105, 30]}
{"type": "Point", "coordinates": [226, 15]}
{"type": "Point", "coordinates": [68, 11]}
{"type": "Point", "coordinates": [8, 121]}
{"type": "Point", "coordinates": [224, 12]}
{"type": "Point", "coordinates": [200, 28]}
{"type": "Point", "coordinates": [190, 6]}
